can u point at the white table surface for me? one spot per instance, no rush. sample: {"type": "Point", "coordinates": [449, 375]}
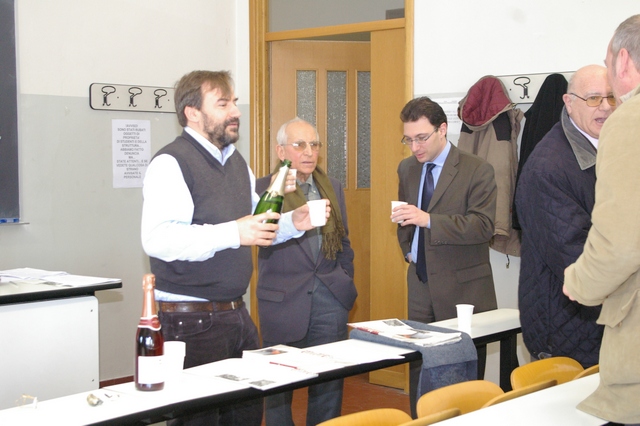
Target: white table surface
{"type": "Point", "coordinates": [486, 323]}
{"type": "Point", "coordinates": [549, 407]}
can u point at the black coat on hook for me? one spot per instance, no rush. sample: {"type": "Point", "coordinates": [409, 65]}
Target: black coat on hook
{"type": "Point", "coordinates": [540, 118]}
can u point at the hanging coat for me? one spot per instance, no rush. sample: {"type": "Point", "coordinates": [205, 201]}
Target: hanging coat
{"type": "Point", "coordinates": [539, 119]}
{"type": "Point", "coordinates": [490, 128]}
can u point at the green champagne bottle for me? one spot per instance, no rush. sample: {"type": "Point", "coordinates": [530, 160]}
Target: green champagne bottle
{"type": "Point", "coordinates": [271, 200]}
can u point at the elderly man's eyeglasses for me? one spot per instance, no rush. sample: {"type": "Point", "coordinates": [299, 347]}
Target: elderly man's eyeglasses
{"type": "Point", "coordinates": [302, 145]}
{"type": "Point", "coordinates": [418, 140]}
{"type": "Point", "coordinates": [596, 100]}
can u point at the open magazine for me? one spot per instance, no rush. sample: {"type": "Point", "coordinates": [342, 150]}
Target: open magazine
{"type": "Point", "coordinates": [398, 330]}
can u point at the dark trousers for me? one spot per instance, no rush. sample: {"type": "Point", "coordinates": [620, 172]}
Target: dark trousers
{"type": "Point", "coordinates": [328, 324]}
{"type": "Point", "coordinates": [421, 309]}
{"type": "Point", "coordinates": [209, 337]}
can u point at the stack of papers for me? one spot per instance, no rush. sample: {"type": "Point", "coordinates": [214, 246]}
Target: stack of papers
{"type": "Point", "coordinates": [245, 371]}
{"type": "Point", "coordinates": [309, 359]}
{"type": "Point", "coordinates": [41, 276]}
{"type": "Point", "coordinates": [396, 329]}
{"type": "Point", "coordinates": [327, 357]}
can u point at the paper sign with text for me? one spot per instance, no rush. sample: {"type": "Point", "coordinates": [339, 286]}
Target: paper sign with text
{"type": "Point", "coordinates": [131, 141]}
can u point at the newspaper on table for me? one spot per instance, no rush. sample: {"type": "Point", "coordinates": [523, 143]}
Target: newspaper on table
{"type": "Point", "coordinates": [398, 330]}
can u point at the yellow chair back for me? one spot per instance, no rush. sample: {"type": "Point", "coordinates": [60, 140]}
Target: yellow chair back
{"type": "Point", "coordinates": [433, 418]}
{"type": "Point", "coordinates": [559, 368]}
{"type": "Point", "coordinates": [519, 392]}
{"type": "Point", "coordinates": [588, 371]}
{"type": "Point", "coordinates": [375, 417]}
{"type": "Point", "coordinates": [465, 396]}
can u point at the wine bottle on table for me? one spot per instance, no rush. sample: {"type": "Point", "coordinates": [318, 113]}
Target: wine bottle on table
{"type": "Point", "coordinates": [149, 374]}
{"type": "Point", "coordinates": [271, 200]}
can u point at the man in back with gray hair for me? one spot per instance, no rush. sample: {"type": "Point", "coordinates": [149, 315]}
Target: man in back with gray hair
{"type": "Point", "coordinates": [608, 271]}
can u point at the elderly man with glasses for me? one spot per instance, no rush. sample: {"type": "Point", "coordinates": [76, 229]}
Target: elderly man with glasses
{"type": "Point", "coordinates": [445, 229]}
{"type": "Point", "coordinates": [305, 285]}
{"type": "Point", "coordinates": [554, 199]}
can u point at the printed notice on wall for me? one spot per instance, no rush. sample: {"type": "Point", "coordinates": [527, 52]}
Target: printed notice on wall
{"type": "Point", "coordinates": [131, 141]}
{"type": "Point", "coordinates": [449, 103]}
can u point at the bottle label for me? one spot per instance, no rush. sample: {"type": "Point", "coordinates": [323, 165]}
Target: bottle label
{"type": "Point", "coordinates": [150, 369]}
{"type": "Point", "coordinates": [151, 322]}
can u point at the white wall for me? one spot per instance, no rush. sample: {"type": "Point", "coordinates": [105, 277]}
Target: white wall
{"type": "Point", "coordinates": [77, 221]}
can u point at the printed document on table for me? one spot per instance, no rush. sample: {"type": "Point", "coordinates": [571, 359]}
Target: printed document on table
{"type": "Point", "coordinates": [27, 274]}
{"type": "Point", "coordinates": [41, 276]}
{"type": "Point", "coordinates": [253, 373]}
{"type": "Point", "coordinates": [304, 359]}
{"type": "Point", "coordinates": [327, 357]}
{"type": "Point", "coordinates": [398, 330]}
{"type": "Point", "coordinates": [79, 280]}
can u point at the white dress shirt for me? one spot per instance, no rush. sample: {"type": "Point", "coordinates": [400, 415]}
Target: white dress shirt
{"type": "Point", "coordinates": [167, 231]}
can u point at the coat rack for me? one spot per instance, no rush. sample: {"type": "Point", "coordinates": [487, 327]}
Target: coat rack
{"type": "Point", "coordinates": [122, 97]}
{"type": "Point", "coordinates": [523, 88]}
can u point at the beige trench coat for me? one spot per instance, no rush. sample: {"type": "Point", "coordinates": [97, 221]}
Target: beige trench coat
{"type": "Point", "coordinates": [608, 271]}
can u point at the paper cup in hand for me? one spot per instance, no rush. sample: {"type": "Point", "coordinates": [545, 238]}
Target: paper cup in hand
{"type": "Point", "coordinates": [318, 212]}
{"type": "Point", "coordinates": [464, 317]}
{"type": "Point", "coordinates": [395, 204]}
{"type": "Point", "coordinates": [293, 173]}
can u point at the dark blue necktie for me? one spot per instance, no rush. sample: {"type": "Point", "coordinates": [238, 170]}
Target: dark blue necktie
{"type": "Point", "coordinates": [427, 192]}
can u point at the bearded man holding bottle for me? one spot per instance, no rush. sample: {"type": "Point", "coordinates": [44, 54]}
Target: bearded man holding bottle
{"type": "Point", "coordinates": [305, 285]}
{"type": "Point", "coordinates": [197, 228]}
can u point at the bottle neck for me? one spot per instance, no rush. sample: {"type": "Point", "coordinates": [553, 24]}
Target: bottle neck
{"type": "Point", "coordinates": [148, 297]}
{"type": "Point", "coordinates": [277, 187]}
{"type": "Point", "coordinates": [149, 304]}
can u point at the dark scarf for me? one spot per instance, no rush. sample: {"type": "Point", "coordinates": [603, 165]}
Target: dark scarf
{"type": "Point", "coordinates": [333, 231]}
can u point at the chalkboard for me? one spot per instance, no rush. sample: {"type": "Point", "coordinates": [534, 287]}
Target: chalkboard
{"type": "Point", "coordinates": [9, 187]}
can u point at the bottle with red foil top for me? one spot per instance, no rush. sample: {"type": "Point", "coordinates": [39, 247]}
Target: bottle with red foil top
{"type": "Point", "coordinates": [149, 375]}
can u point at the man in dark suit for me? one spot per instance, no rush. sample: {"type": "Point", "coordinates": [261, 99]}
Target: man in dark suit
{"type": "Point", "coordinates": [447, 224]}
{"type": "Point", "coordinates": [305, 285]}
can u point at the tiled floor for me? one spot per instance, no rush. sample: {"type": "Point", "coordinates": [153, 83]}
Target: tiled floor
{"type": "Point", "coordinates": [359, 395]}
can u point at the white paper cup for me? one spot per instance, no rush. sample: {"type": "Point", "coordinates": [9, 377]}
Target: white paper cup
{"type": "Point", "coordinates": [395, 204]}
{"type": "Point", "coordinates": [464, 317]}
{"type": "Point", "coordinates": [318, 212]}
{"type": "Point", "coordinates": [174, 352]}
{"type": "Point", "coordinates": [294, 173]}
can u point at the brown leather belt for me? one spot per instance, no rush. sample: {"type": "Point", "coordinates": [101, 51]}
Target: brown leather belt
{"type": "Point", "coordinates": [200, 306]}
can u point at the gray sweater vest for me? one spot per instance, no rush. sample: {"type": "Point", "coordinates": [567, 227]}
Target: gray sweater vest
{"type": "Point", "coordinates": [220, 194]}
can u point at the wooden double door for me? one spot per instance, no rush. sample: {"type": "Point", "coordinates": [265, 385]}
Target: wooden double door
{"type": "Point", "coordinates": [367, 82]}
{"type": "Point", "coordinates": [328, 84]}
